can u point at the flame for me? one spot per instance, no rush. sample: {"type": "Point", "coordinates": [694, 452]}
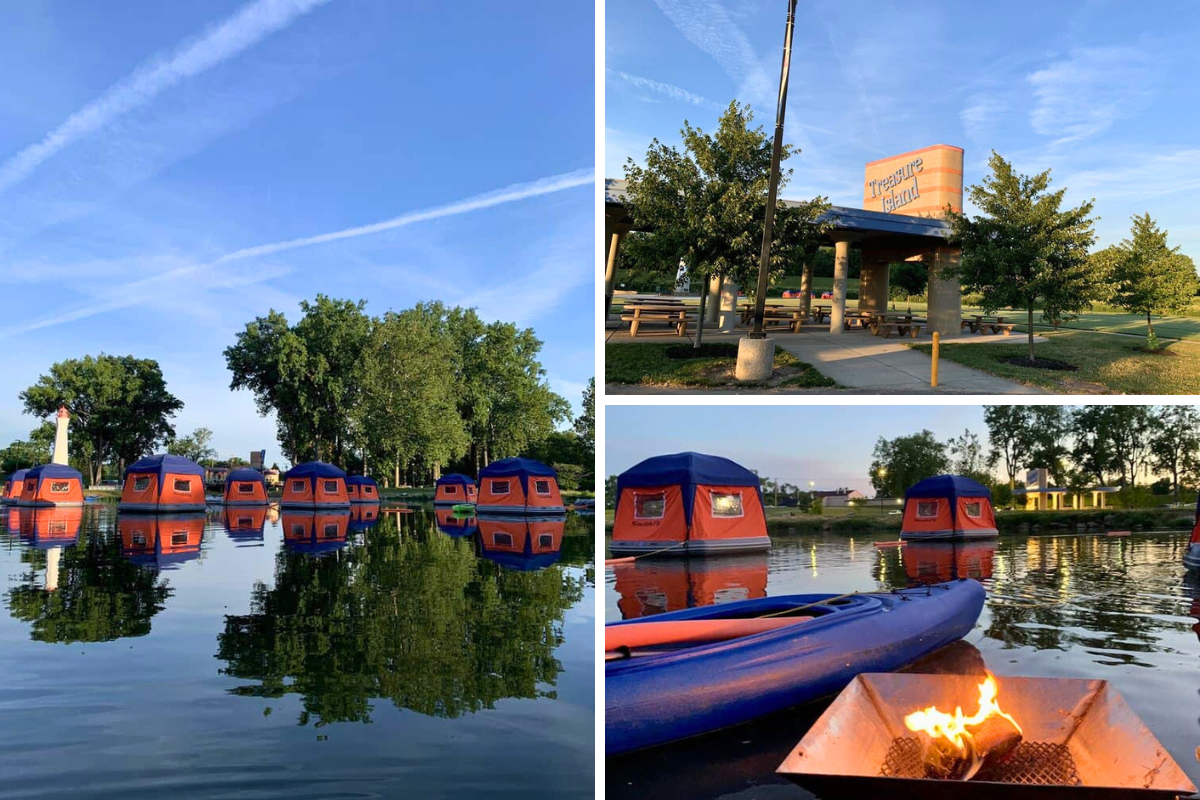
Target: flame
{"type": "Point", "coordinates": [954, 726]}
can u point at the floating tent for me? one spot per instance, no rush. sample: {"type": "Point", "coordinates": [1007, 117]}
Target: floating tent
{"type": "Point", "coordinates": [524, 544]}
{"type": "Point", "coordinates": [361, 489]}
{"type": "Point", "coordinates": [948, 507]}
{"type": "Point", "coordinates": [163, 483]}
{"type": "Point", "coordinates": [315, 532]}
{"type": "Point", "coordinates": [453, 524]}
{"type": "Point", "coordinates": [938, 562]}
{"type": "Point", "coordinates": [13, 487]}
{"type": "Point", "coordinates": [162, 540]}
{"type": "Point", "coordinates": [245, 524]}
{"type": "Point", "coordinates": [51, 526]}
{"type": "Point", "coordinates": [245, 487]}
{"type": "Point", "coordinates": [454, 489]}
{"type": "Point", "coordinates": [315, 484]}
{"type": "Point", "coordinates": [654, 586]}
{"type": "Point", "coordinates": [364, 516]}
{"type": "Point", "coordinates": [689, 503]}
{"type": "Point", "coordinates": [52, 485]}
{"type": "Point", "coordinates": [519, 486]}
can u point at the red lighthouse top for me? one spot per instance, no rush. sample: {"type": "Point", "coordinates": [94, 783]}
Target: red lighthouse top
{"type": "Point", "coordinates": [62, 411]}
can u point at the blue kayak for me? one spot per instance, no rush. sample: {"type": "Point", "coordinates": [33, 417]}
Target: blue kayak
{"type": "Point", "coordinates": [656, 695]}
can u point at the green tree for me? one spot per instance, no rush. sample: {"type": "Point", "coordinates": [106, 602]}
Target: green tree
{"type": "Point", "coordinates": [1151, 277]}
{"type": "Point", "coordinates": [1175, 443]}
{"type": "Point", "coordinates": [196, 446]}
{"type": "Point", "coordinates": [907, 279]}
{"type": "Point", "coordinates": [1023, 250]}
{"type": "Point", "coordinates": [585, 425]}
{"type": "Point", "coordinates": [1048, 428]}
{"type": "Point", "coordinates": [22, 454]}
{"type": "Point", "coordinates": [899, 463]}
{"type": "Point", "coordinates": [707, 204]}
{"type": "Point", "coordinates": [610, 491]}
{"type": "Point", "coordinates": [1009, 437]}
{"type": "Point", "coordinates": [120, 407]}
{"type": "Point", "coordinates": [967, 457]}
{"type": "Point", "coordinates": [1112, 439]}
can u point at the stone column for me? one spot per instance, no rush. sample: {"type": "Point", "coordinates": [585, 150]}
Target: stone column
{"type": "Point", "coordinates": [613, 233]}
{"type": "Point", "coordinates": [806, 276]}
{"type": "Point", "coordinates": [712, 306]}
{"type": "Point", "coordinates": [873, 283]}
{"type": "Point", "coordinates": [945, 296]}
{"type": "Point", "coordinates": [841, 268]}
{"type": "Point", "coordinates": [729, 299]}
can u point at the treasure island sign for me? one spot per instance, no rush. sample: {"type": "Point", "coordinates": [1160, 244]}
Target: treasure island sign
{"type": "Point", "coordinates": [920, 183]}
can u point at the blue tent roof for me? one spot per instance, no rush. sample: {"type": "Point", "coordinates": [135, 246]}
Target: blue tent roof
{"type": "Point", "coordinates": [164, 463]}
{"type": "Point", "coordinates": [951, 486]}
{"type": "Point", "coordinates": [315, 469]}
{"type": "Point", "coordinates": [244, 474]}
{"type": "Point", "coordinates": [521, 468]}
{"type": "Point", "coordinates": [360, 480]}
{"type": "Point", "coordinates": [19, 475]}
{"type": "Point", "coordinates": [455, 479]}
{"type": "Point", "coordinates": [53, 471]}
{"type": "Point", "coordinates": [687, 470]}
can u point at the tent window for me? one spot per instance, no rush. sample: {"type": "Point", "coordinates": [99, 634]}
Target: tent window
{"type": "Point", "coordinates": [500, 487]}
{"type": "Point", "coordinates": [183, 484]}
{"type": "Point", "coordinates": [727, 504]}
{"type": "Point", "coordinates": [974, 509]}
{"type": "Point", "coordinates": [245, 522]}
{"type": "Point", "coordinates": [60, 487]}
{"type": "Point", "coordinates": [139, 538]}
{"type": "Point", "coordinates": [298, 486]}
{"type": "Point", "coordinates": [58, 526]}
{"type": "Point", "coordinates": [331, 530]}
{"type": "Point", "coordinates": [927, 509]}
{"type": "Point", "coordinates": [503, 539]}
{"type": "Point", "coordinates": [649, 506]}
{"type": "Point", "coordinates": [368, 490]}
{"type": "Point", "coordinates": [331, 487]}
{"type": "Point", "coordinates": [141, 484]}
{"type": "Point", "coordinates": [546, 540]}
{"type": "Point", "coordinates": [179, 537]}
{"type": "Point", "coordinates": [542, 487]}
{"type": "Point", "coordinates": [245, 488]}
{"type": "Point", "coordinates": [31, 486]}
{"type": "Point", "coordinates": [450, 489]}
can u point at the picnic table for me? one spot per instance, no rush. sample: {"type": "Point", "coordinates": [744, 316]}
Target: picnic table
{"type": "Point", "coordinates": [673, 314]}
{"type": "Point", "coordinates": [821, 312]}
{"type": "Point", "coordinates": [985, 324]}
{"type": "Point", "coordinates": [899, 324]}
{"type": "Point", "coordinates": [747, 310]}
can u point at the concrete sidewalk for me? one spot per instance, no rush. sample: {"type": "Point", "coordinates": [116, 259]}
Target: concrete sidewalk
{"type": "Point", "coordinates": [863, 364]}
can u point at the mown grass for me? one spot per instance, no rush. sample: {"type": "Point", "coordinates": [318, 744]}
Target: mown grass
{"type": "Point", "coordinates": [681, 365]}
{"type": "Point", "coordinates": [1106, 364]}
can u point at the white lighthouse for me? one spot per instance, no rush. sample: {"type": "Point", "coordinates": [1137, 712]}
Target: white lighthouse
{"type": "Point", "coordinates": [60, 437]}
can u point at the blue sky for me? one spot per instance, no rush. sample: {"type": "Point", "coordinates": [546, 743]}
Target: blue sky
{"type": "Point", "coordinates": [1101, 92]}
{"type": "Point", "coordinates": [829, 445]}
{"type": "Point", "coordinates": [169, 171]}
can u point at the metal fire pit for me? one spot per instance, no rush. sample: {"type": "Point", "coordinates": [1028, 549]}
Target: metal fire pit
{"type": "Point", "coordinates": [1081, 742]}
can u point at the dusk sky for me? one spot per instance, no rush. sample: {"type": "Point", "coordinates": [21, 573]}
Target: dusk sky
{"type": "Point", "coordinates": [169, 171]}
{"type": "Point", "coordinates": [1102, 92]}
{"type": "Point", "coordinates": [829, 445]}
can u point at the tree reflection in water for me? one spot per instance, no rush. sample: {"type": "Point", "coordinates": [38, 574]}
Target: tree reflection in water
{"type": "Point", "coordinates": [408, 615]}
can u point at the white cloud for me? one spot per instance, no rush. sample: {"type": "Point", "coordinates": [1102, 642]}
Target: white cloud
{"type": "Point", "coordinates": [667, 89]}
{"type": "Point", "coordinates": [981, 116]}
{"type": "Point", "coordinates": [708, 26]}
{"type": "Point", "coordinates": [247, 27]}
{"type": "Point", "coordinates": [1085, 93]}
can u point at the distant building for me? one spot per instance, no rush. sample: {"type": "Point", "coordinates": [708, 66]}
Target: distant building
{"type": "Point", "coordinates": [257, 459]}
{"type": "Point", "coordinates": [215, 475]}
{"type": "Point", "coordinates": [838, 498]}
{"type": "Point", "coordinates": [271, 476]}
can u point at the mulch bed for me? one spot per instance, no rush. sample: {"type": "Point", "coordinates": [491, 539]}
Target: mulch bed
{"type": "Point", "coordinates": [1040, 363]}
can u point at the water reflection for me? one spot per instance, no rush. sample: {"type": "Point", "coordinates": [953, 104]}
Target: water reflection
{"type": "Point", "coordinates": [245, 525]}
{"type": "Point", "coordinates": [315, 532]}
{"type": "Point", "coordinates": [653, 586]}
{"type": "Point", "coordinates": [420, 622]}
{"type": "Point", "coordinates": [521, 543]}
{"type": "Point", "coordinates": [164, 541]}
{"type": "Point", "coordinates": [453, 524]}
{"type": "Point", "coordinates": [363, 517]}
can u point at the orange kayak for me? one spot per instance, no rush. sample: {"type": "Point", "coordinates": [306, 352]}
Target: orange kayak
{"type": "Point", "coordinates": [657, 634]}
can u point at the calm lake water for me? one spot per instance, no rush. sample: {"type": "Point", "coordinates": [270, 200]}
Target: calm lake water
{"type": "Point", "coordinates": [256, 656]}
{"type": "Point", "coordinates": [1120, 609]}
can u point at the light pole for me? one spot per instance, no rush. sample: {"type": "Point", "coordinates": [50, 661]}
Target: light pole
{"type": "Point", "coordinates": [882, 472]}
{"type": "Point", "coordinates": [759, 359]}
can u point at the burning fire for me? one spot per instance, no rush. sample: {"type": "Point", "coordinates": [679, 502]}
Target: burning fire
{"type": "Point", "coordinates": [954, 727]}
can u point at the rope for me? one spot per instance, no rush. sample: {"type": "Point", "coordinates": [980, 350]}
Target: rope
{"type": "Point", "coordinates": [627, 559]}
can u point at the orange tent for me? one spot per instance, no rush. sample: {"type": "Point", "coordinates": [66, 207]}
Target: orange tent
{"type": "Point", "coordinates": [13, 487]}
{"type": "Point", "coordinates": [521, 543]}
{"type": "Point", "coordinates": [163, 483]}
{"type": "Point", "coordinates": [315, 484]}
{"type": "Point", "coordinates": [245, 487]}
{"type": "Point", "coordinates": [454, 489]}
{"type": "Point", "coordinates": [52, 526]}
{"type": "Point", "coordinates": [52, 485]}
{"type": "Point", "coordinates": [245, 524]}
{"type": "Point", "coordinates": [938, 562]}
{"type": "Point", "coordinates": [654, 586]}
{"type": "Point", "coordinates": [519, 486]}
{"type": "Point", "coordinates": [689, 503]}
{"type": "Point", "coordinates": [948, 507]}
{"type": "Point", "coordinates": [363, 516]}
{"type": "Point", "coordinates": [162, 540]}
{"type": "Point", "coordinates": [450, 523]}
{"type": "Point", "coordinates": [361, 489]}
{"type": "Point", "coordinates": [315, 532]}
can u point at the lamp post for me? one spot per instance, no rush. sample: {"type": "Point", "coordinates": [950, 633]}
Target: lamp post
{"type": "Point", "coordinates": [756, 360]}
{"type": "Point", "coordinates": [882, 472]}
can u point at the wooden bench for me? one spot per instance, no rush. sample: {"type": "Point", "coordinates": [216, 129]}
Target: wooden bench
{"type": "Point", "coordinates": [677, 318]}
{"type": "Point", "coordinates": [900, 328]}
{"type": "Point", "coordinates": [1003, 328]}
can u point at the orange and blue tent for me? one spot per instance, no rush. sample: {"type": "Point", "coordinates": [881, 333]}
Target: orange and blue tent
{"type": "Point", "coordinates": [315, 484]}
{"type": "Point", "coordinates": [245, 487]}
{"type": "Point", "coordinates": [12, 488]}
{"type": "Point", "coordinates": [519, 486]}
{"type": "Point", "coordinates": [315, 532]}
{"type": "Point", "coordinates": [948, 507]}
{"type": "Point", "coordinates": [361, 489]}
{"type": "Point", "coordinates": [364, 516]}
{"type": "Point", "coordinates": [245, 525]}
{"type": "Point", "coordinates": [689, 503]}
{"type": "Point", "coordinates": [163, 483]}
{"type": "Point", "coordinates": [161, 540]}
{"type": "Point", "coordinates": [454, 489]}
{"type": "Point", "coordinates": [454, 524]}
{"type": "Point", "coordinates": [524, 544]}
{"type": "Point", "coordinates": [52, 485]}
